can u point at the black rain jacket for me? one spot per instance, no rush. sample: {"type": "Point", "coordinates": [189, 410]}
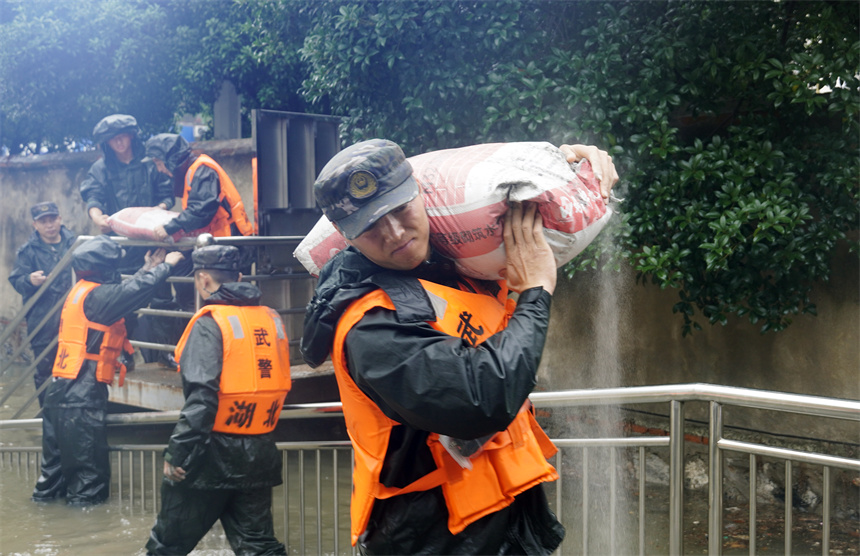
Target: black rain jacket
{"type": "Point", "coordinates": [106, 304]}
{"type": "Point", "coordinates": [203, 201]}
{"type": "Point", "coordinates": [38, 255]}
{"type": "Point", "coordinates": [74, 441]}
{"type": "Point", "coordinates": [430, 381]}
{"type": "Point", "coordinates": [112, 186]}
{"type": "Point", "coordinates": [214, 460]}
{"type": "Point", "coordinates": [203, 197]}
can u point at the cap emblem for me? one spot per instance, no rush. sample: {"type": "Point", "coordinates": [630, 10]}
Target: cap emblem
{"type": "Point", "coordinates": [362, 184]}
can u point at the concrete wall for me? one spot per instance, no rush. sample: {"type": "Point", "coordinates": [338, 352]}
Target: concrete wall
{"type": "Point", "coordinates": [606, 330]}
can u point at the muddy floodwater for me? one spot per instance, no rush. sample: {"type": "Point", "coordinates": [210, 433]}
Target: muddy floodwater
{"type": "Point", "coordinates": [30, 529]}
{"type": "Point", "coordinates": [112, 528]}
{"type": "Point", "coordinates": [121, 526]}
{"type": "Point", "coordinates": [317, 517]}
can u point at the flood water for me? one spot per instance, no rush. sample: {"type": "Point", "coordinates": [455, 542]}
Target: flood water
{"type": "Point", "coordinates": [121, 526]}
{"type": "Point", "coordinates": [27, 528]}
{"type": "Point", "coordinates": [317, 516]}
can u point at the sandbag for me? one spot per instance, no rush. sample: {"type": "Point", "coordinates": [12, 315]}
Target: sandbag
{"type": "Point", "coordinates": [140, 222]}
{"type": "Point", "coordinates": [466, 192]}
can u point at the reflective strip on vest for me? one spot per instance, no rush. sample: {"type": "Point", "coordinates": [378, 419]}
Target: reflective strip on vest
{"type": "Point", "coordinates": [236, 326]}
{"type": "Point", "coordinates": [255, 371]}
{"type": "Point", "coordinates": [279, 327]}
{"type": "Point", "coordinates": [510, 463]}
{"type": "Point", "coordinates": [82, 291]}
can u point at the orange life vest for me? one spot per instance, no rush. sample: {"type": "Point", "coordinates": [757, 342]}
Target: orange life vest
{"type": "Point", "coordinates": [220, 225]}
{"type": "Point", "coordinates": [74, 327]}
{"type": "Point", "coordinates": [255, 374]}
{"type": "Point", "coordinates": [510, 463]}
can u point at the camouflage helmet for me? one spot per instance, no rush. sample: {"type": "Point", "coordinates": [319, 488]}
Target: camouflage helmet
{"type": "Point", "coordinates": [216, 257]}
{"type": "Point", "coordinates": [100, 255]}
{"type": "Point", "coordinates": [363, 183]}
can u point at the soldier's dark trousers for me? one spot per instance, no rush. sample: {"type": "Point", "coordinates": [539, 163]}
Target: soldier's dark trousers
{"type": "Point", "coordinates": [74, 456]}
{"type": "Point", "coordinates": [187, 514]}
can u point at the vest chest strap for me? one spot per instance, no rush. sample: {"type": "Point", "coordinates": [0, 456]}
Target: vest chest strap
{"type": "Point", "coordinates": [429, 481]}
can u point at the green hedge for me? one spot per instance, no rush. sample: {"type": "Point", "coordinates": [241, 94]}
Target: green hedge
{"type": "Point", "coordinates": [734, 125]}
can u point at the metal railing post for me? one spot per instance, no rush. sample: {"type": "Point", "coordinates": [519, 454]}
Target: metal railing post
{"type": "Point", "coordinates": [788, 504]}
{"type": "Point", "coordinates": [302, 502]}
{"type": "Point", "coordinates": [335, 500]}
{"type": "Point", "coordinates": [155, 482]}
{"type": "Point", "coordinates": [641, 500]}
{"type": "Point", "coordinates": [28, 373]}
{"type": "Point", "coordinates": [559, 486]}
{"type": "Point", "coordinates": [286, 474]}
{"type": "Point", "coordinates": [715, 482]}
{"type": "Point", "coordinates": [585, 503]}
{"type": "Point", "coordinates": [318, 477]}
{"type": "Point", "coordinates": [676, 478]}
{"type": "Point", "coordinates": [825, 528]}
{"type": "Point", "coordinates": [613, 495]}
{"type": "Point", "coordinates": [753, 503]}
{"type": "Point", "coordinates": [58, 269]}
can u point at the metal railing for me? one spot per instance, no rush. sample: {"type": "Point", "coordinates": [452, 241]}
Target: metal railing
{"type": "Point", "coordinates": [63, 266]}
{"type": "Point", "coordinates": [314, 510]}
{"type": "Point", "coordinates": [718, 397]}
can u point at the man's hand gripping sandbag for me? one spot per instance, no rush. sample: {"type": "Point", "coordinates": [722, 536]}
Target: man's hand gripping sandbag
{"type": "Point", "coordinates": [142, 222]}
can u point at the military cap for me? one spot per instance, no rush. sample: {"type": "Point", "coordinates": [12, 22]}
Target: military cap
{"type": "Point", "coordinates": [216, 257]}
{"type": "Point", "coordinates": [170, 148]}
{"type": "Point", "coordinates": [47, 208]}
{"type": "Point", "coordinates": [111, 126]}
{"type": "Point", "coordinates": [99, 254]}
{"type": "Point", "coordinates": [363, 183]}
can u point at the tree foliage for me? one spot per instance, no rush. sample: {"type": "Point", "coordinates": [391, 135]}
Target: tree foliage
{"type": "Point", "coordinates": [742, 170]}
{"type": "Point", "coordinates": [255, 45]}
{"type": "Point", "coordinates": [410, 71]}
{"type": "Point", "coordinates": [734, 125]}
{"type": "Point", "coordinates": [65, 65]}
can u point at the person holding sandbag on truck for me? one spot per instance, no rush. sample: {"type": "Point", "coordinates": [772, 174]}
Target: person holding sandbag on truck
{"type": "Point", "coordinates": [210, 201]}
{"type": "Point", "coordinates": [210, 204]}
{"type": "Point", "coordinates": [123, 177]}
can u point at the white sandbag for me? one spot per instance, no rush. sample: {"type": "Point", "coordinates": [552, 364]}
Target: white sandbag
{"type": "Point", "coordinates": [321, 244]}
{"type": "Point", "coordinates": [140, 222]}
{"type": "Point", "coordinates": [466, 192]}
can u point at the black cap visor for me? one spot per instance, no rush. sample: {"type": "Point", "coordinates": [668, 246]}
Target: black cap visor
{"type": "Point", "coordinates": [361, 220]}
